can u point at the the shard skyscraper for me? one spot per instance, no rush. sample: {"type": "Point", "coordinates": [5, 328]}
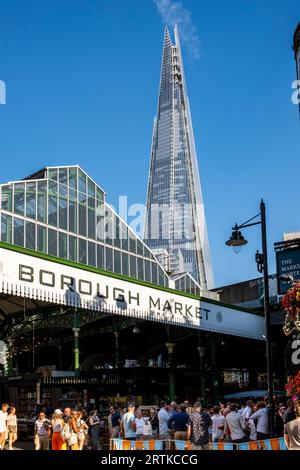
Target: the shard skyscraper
{"type": "Point", "coordinates": [175, 220]}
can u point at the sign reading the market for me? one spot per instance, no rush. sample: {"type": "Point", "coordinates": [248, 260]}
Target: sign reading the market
{"type": "Point", "coordinates": [288, 264]}
{"type": "Point", "coordinates": [49, 281]}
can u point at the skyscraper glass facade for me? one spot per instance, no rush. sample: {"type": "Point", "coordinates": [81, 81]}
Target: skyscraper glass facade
{"type": "Point", "coordinates": [62, 212]}
{"type": "Point", "coordinates": [175, 218]}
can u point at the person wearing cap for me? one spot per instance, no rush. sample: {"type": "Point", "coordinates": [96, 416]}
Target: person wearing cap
{"type": "Point", "coordinates": [57, 423]}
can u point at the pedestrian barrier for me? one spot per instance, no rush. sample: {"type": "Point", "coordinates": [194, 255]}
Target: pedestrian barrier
{"type": "Point", "coordinates": [173, 444]}
{"type": "Point", "coordinates": [267, 444]}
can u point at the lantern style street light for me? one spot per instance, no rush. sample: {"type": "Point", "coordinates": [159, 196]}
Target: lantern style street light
{"type": "Point", "coordinates": [237, 241]}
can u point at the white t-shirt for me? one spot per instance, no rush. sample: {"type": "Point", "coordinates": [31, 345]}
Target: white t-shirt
{"type": "Point", "coordinates": [3, 418]}
{"type": "Point", "coordinates": [139, 425]}
{"type": "Point", "coordinates": [217, 420]}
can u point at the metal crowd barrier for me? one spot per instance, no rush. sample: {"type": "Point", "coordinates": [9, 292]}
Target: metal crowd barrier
{"type": "Point", "coordinates": [277, 443]}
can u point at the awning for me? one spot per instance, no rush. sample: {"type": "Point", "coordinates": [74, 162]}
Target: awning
{"type": "Point", "coordinates": [253, 394]}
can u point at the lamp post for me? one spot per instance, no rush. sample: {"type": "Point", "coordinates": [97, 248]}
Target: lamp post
{"type": "Point", "coordinates": [237, 241]}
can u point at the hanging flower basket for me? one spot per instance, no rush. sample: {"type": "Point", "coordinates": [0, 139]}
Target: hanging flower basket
{"type": "Point", "coordinates": [293, 387]}
{"type": "Point", "coordinates": [291, 304]}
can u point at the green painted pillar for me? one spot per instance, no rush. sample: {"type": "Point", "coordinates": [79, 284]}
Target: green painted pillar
{"type": "Point", "coordinates": [172, 384]}
{"type": "Point", "coordinates": [201, 351]}
{"type": "Point", "coordinates": [76, 331]}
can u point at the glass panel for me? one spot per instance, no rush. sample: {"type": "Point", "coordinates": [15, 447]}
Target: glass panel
{"type": "Point", "coordinates": [62, 252]}
{"type": "Point", "coordinates": [73, 178]}
{"type": "Point", "coordinates": [6, 198]}
{"type": "Point", "coordinates": [109, 259]}
{"type": "Point", "coordinates": [117, 241]}
{"type": "Point", "coordinates": [124, 237]}
{"type": "Point", "coordinates": [52, 174]}
{"type": "Point", "coordinates": [147, 253]}
{"type": "Point", "coordinates": [91, 193]}
{"type": "Point", "coordinates": [72, 248]}
{"type": "Point", "coordinates": [161, 279]}
{"type": "Point", "coordinates": [82, 251]}
{"type": "Point", "coordinates": [63, 207]}
{"type": "Point", "coordinates": [42, 201]}
{"type": "Point", "coordinates": [63, 176]}
{"type": "Point", "coordinates": [132, 243]}
{"type": "Point", "coordinates": [31, 200]}
{"type": "Point", "coordinates": [92, 254]}
{"type": "Point", "coordinates": [132, 266]}
{"type": "Point", "coordinates": [41, 239]}
{"type": "Point", "coordinates": [18, 232]}
{"type": "Point", "coordinates": [117, 265]}
{"type": "Point", "coordinates": [140, 250]}
{"type": "Point", "coordinates": [154, 273]}
{"type": "Point", "coordinates": [100, 220]}
{"type": "Point", "coordinates": [100, 257]}
{"type": "Point", "coordinates": [19, 196]}
{"type": "Point", "coordinates": [6, 228]}
{"type": "Point", "coordinates": [52, 203]}
{"type": "Point", "coordinates": [109, 227]}
{"type": "Point", "coordinates": [147, 271]}
{"type": "Point", "coordinates": [91, 223]}
{"type": "Point", "coordinates": [140, 269]}
{"type": "Point", "coordinates": [30, 235]}
{"type": "Point", "coordinates": [82, 181]}
{"type": "Point", "coordinates": [125, 264]}
{"type": "Point", "coordinates": [73, 211]}
{"type": "Point", "coordinates": [52, 242]}
{"type": "Point", "coordinates": [188, 284]}
{"type": "Point", "coordinates": [82, 215]}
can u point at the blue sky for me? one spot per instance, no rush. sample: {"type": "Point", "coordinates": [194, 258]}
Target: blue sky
{"type": "Point", "coordinates": [82, 81]}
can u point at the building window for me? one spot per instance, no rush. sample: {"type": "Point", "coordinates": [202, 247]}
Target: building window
{"type": "Point", "coordinates": [82, 215]}
{"type": "Point", "coordinates": [147, 271]}
{"type": "Point", "coordinates": [91, 223]}
{"type": "Point", "coordinates": [82, 251]}
{"type": "Point", "coordinates": [140, 250]}
{"type": "Point", "coordinates": [62, 252]}
{"type": "Point", "coordinates": [100, 257]}
{"type": "Point", "coordinates": [41, 239]}
{"type": "Point", "coordinates": [109, 259]}
{"type": "Point", "coordinates": [125, 264]}
{"type": "Point", "coordinates": [132, 266]}
{"type": "Point", "coordinates": [124, 237]}
{"type": "Point", "coordinates": [6, 198]}
{"type": "Point", "coordinates": [42, 201]}
{"type": "Point", "coordinates": [140, 263]}
{"type": "Point", "coordinates": [63, 207]}
{"type": "Point", "coordinates": [52, 203]}
{"type": "Point", "coordinates": [18, 232]}
{"type": "Point", "coordinates": [100, 220]}
{"type": "Point", "coordinates": [91, 254]}
{"type": "Point", "coordinates": [82, 181]}
{"type": "Point", "coordinates": [31, 200]}
{"type": "Point", "coordinates": [117, 262]}
{"type": "Point", "coordinates": [19, 198]}
{"type": "Point", "coordinates": [154, 273]}
{"type": "Point", "coordinates": [52, 242]}
{"type": "Point", "coordinates": [6, 228]}
{"type": "Point", "coordinates": [73, 178]}
{"type": "Point", "coordinates": [132, 243]}
{"type": "Point", "coordinates": [73, 211]}
{"type": "Point", "coordinates": [72, 248]}
{"type": "Point", "coordinates": [30, 235]}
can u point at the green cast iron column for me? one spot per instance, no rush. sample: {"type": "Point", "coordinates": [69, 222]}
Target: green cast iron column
{"type": "Point", "coordinates": [76, 331]}
{"type": "Point", "coordinates": [172, 385]}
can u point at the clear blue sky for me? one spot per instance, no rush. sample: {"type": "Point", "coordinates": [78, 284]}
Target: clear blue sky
{"type": "Point", "coordinates": [82, 81]}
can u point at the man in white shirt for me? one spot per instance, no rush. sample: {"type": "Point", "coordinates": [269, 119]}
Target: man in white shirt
{"type": "Point", "coordinates": [248, 410]}
{"type": "Point", "coordinates": [218, 426]}
{"type": "Point", "coordinates": [3, 424]}
{"type": "Point", "coordinates": [163, 418]}
{"type": "Point", "coordinates": [235, 426]}
{"type": "Point", "coordinates": [261, 419]}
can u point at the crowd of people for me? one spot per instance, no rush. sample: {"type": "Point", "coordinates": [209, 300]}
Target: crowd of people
{"type": "Point", "coordinates": [74, 429]}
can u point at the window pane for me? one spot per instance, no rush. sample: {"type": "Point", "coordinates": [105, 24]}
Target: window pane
{"type": "Point", "coordinates": [82, 181]}
{"type": "Point", "coordinates": [73, 178]}
{"type": "Point", "coordinates": [18, 232]}
{"type": "Point", "coordinates": [117, 241]}
{"type": "Point", "coordinates": [140, 269]}
{"type": "Point", "coordinates": [100, 220]}
{"type": "Point", "coordinates": [31, 200]}
{"type": "Point", "coordinates": [91, 224]}
{"type": "Point", "coordinates": [63, 207]}
{"type": "Point", "coordinates": [124, 237]}
{"type": "Point", "coordinates": [109, 259]}
{"type": "Point", "coordinates": [91, 194]}
{"type": "Point", "coordinates": [82, 251]}
{"type": "Point", "coordinates": [132, 266]}
{"type": "Point", "coordinates": [6, 228]}
{"type": "Point", "coordinates": [125, 264]}
{"type": "Point", "coordinates": [100, 257]}
{"type": "Point", "coordinates": [52, 174]}
{"type": "Point", "coordinates": [117, 265]}
{"type": "Point", "coordinates": [73, 211]}
{"type": "Point", "coordinates": [62, 252]}
{"type": "Point", "coordinates": [41, 239]}
{"type": "Point", "coordinates": [6, 198]}
{"type": "Point", "coordinates": [154, 273]}
{"type": "Point", "coordinates": [109, 227]}
{"type": "Point", "coordinates": [63, 176]}
{"type": "Point", "coordinates": [72, 248]}
{"type": "Point", "coordinates": [140, 250]}
{"type": "Point", "coordinates": [161, 279]}
{"type": "Point", "coordinates": [147, 271]}
{"type": "Point", "coordinates": [82, 215]}
{"type": "Point", "coordinates": [52, 242]}
{"type": "Point", "coordinates": [19, 196]}
{"type": "Point", "coordinates": [42, 201]}
{"type": "Point", "coordinates": [52, 203]}
{"type": "Point", "coordinates": [30, 235]}
{"type": "Point", "coordinates": [92, 254]}
{"type": "Point", "coordinates": [132, 243]}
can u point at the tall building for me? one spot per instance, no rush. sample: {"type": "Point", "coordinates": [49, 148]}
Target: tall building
{"type": "Point", "coordinates": [175, 219]}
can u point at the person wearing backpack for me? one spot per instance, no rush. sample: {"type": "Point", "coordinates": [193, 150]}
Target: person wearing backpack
{"type": "Point", "coordinates": [200, 422]}
{"type": "Point", "coordinates": [57, 423]}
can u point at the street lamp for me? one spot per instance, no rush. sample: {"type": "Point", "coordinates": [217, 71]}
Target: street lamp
{"type": "Point", "coordinates": [237, 241]}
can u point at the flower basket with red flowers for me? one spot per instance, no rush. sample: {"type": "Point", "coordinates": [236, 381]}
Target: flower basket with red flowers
{"type": "Point", "coordinates": [293, 387]}
{"type": "Point", "coordinates": [291, 304]}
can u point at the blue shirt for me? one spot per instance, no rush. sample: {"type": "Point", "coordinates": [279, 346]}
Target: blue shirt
{"type": "Point", "coordinates": [128, 419]}
{"type": "Point", "coordinates": [179, 421]}
{"type": "Point", "coordinates": [163, 418]}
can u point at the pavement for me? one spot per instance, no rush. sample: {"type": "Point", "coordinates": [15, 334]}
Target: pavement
{"type": "Point", "coordinates": [22, 445]}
